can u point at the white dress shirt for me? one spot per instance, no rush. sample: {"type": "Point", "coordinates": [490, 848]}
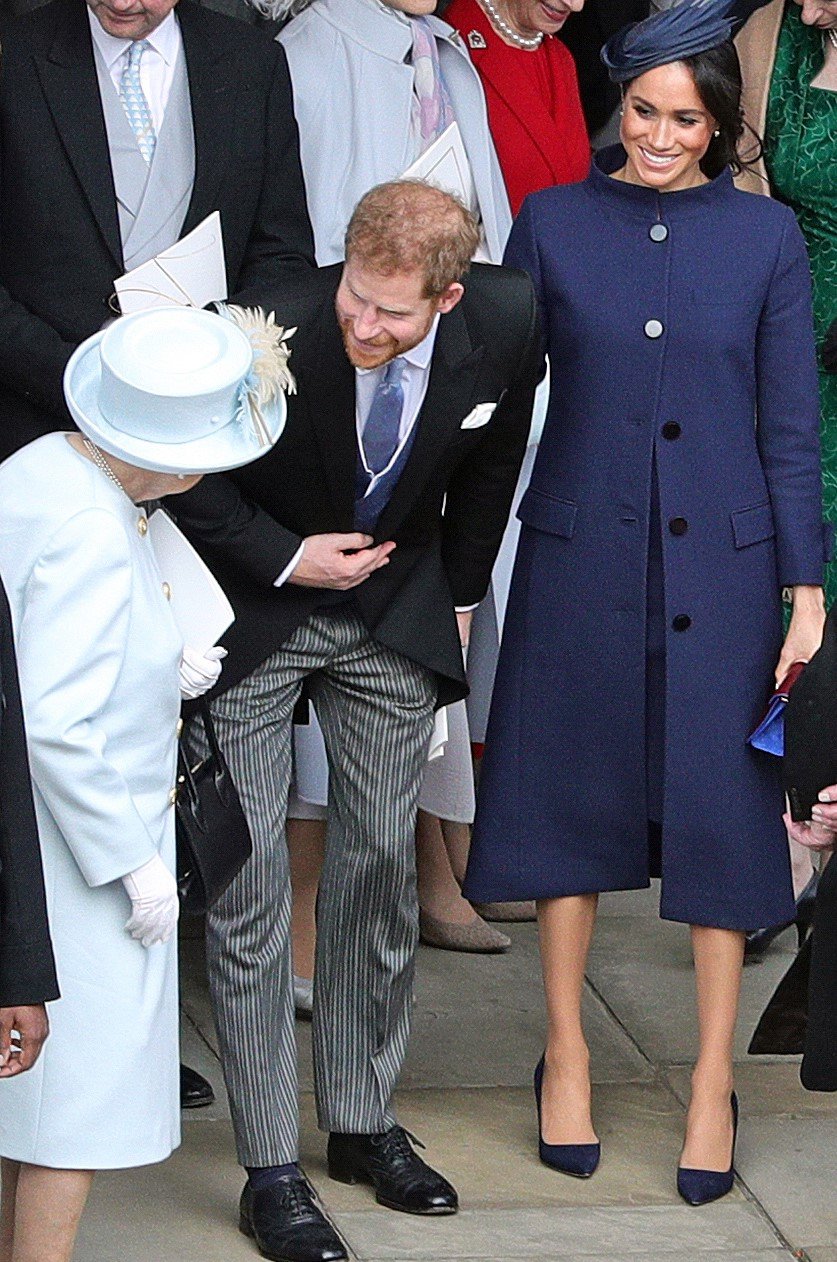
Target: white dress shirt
{"type": "Point", "coordinates": [157, 64]}
{"type": "Point", "coordinates": [414, 385]}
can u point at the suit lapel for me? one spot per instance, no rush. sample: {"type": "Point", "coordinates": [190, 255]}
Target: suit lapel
{"type": "Point", "coordinates": [329, 384]}
{"type": "Point", "coordinates": [71, 87]}
{"type": "Point", "coordinates": [453, 378]}
{"type": "Point", "coordinates": [213, 83]}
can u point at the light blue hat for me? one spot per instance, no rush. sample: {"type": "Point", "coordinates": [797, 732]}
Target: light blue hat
{"type": "Point", "coordinates": [184, 390]}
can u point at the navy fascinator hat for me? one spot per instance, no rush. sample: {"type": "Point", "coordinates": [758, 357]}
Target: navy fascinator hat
{"type": "Point", "coordinates": [691, 27]}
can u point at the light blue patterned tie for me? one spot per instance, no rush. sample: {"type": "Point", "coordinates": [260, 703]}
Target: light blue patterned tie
{"type": "Point", "coordinates": [381, 432]}
{"type": "Point", "coordinates": [133, 99]}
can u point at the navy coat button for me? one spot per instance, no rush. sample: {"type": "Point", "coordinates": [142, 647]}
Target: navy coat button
{"type": "Point", "coordinates": [658, 232]}
{"type": "Point", "coordinates": [678, 525]}
{"type": "Point", "coordinates": [671, 430]}
{"type": "Point", "coordinates": [682, 622]}
{"type": "Point", "coordinates": [653, 328]}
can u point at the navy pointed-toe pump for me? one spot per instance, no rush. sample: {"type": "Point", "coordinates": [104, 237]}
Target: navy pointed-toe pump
{"type": "Point", "coordinates": [699, 1187]}
{"type": "Point", "coordinates": [578, 1160]}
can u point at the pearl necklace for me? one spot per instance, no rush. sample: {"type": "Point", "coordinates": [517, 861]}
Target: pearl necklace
{"type": "Point", "coordinates": [832, 35]}
{"type": "Point", "coordinates": [529, 42]}
{"type": "Point", "coordinates": [99, 460]}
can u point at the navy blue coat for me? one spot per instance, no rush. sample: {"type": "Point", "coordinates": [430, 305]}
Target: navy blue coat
{"type": "Point", "coordinates": [679, 331]}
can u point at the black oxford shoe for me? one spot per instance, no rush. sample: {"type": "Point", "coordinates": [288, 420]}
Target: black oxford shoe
{"type": "Point", "coordinates": [286, 1224]}
{"type": "Point", "coordinates": [399, 1176]}
{"type": "Point", "coordinates": [195, 1091]}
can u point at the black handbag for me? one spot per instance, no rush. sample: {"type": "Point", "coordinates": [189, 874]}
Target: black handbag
{"type": "Point", "coordinates": [213, 838]}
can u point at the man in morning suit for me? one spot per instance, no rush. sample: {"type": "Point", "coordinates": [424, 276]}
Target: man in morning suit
{"type": "Point", "coordinates": [352, 557]}
{"type": "Point", "coordinates": [124, 124]}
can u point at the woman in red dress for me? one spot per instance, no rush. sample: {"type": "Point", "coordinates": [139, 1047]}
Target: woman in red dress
{"type": "Point", "coordinates": [530, 83]}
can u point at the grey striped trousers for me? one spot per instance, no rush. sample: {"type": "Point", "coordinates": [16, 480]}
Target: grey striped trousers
{"type": "Point", "coordinates": [375, 708]}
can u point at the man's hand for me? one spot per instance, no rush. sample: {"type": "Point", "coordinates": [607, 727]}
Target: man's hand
{"type": "Point", "coordinates": [339, 561]}
{"type": "Point", "coordinates": [463, 621]}
{"type": "Point", "coordinates": [20, 1053]}
{"type": "Point", "coordinates": [820, 832]}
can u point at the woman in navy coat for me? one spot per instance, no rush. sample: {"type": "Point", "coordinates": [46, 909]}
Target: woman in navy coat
{"type": "Point", "coordinates": [676, 492]}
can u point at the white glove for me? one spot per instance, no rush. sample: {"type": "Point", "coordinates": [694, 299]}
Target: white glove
{"type": "Point", "coordinates": [199, 671]}
{"type": "Point", "coordinates": [155, 906]}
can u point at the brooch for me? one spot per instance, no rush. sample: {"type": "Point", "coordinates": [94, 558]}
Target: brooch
{"type": "Point", "coordinates": [476, 39]}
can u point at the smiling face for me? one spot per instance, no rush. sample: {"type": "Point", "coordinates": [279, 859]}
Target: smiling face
{"type": "Point", "coordinates": [131, 19]}
{"type": "Point", "coordinates": [666, 129]}
{"type": "Point", "coordinates": [384, 316]}
{"type": "Point", "coordinates": [545, 16]}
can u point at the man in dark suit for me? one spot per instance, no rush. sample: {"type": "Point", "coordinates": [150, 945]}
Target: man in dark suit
{"type": "Point", "coordinates": [124, 124]}
{"type": "Point", "coordinates": [353, 556]}
{"type": "Point", "coordinates": [27, 969]}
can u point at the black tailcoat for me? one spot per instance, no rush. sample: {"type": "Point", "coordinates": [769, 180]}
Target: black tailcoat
{"type": "Point", "coordinates": [450, 506]}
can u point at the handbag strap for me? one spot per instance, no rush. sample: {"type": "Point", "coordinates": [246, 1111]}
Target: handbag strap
{"type": "Point", "coordinates": [209, 728]}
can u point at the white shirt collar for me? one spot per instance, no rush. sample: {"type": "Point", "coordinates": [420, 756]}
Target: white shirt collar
{"type": "Point", "coordinates": [420, 355]}
{"type": "Point", "coordinates": [163, 39]}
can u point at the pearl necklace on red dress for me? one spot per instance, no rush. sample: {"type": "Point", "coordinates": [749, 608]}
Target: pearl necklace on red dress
{"type": "Point", "coordinates": [529, 42]}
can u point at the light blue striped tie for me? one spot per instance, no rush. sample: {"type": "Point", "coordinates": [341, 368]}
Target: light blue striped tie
{"type": "Point", "coordinates": [133, 99]}
{"type": "Point", "coordinates": [381, 433]}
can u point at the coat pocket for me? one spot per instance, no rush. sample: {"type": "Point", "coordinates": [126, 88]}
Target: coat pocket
{"type": "Point", "coordinates": [548, 513]}
{"type": "Point", "coordinates": [752, 525]}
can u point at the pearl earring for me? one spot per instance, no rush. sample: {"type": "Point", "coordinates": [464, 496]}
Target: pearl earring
{"type": "Point", "coordinates": [716, 134]}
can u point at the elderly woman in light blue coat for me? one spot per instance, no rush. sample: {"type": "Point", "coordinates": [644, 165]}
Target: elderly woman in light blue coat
{"type": "Point", "coordinates": [102, 669]}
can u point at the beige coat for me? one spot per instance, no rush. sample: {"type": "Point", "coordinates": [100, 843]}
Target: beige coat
{"type": "Point", "coordinates": [756, 44]}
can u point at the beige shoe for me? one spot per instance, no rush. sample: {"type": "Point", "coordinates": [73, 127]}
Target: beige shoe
{"type": "Point", "coordinates": [477, 937]}
{"type": "Point", "coordinates": [506, 913]}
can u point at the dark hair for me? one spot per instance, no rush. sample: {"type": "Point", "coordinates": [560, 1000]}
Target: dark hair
{"type": "Point", "coordinates": [717, 76]}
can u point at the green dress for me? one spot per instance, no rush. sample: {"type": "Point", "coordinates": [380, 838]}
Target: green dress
{"type": "Point", "coordinates": [801, 154]}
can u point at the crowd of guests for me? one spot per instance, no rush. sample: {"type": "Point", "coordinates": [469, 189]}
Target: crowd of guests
{"type": "Point", "coordinates": [546, 461]}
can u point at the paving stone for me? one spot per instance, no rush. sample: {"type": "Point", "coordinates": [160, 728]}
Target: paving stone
{"type": "Point", "coordinates": [760, 1255]}
{"type": "Point", "coordinates": [485, 1142]}
{"type": "Point", "coordinates": [195, 1053]}
{"type": "Point", "coordinates": [766, 1088]}
{"type": "Point", "coordinates": [183, 1210]}
{"type": "Point", "coordinates": [642, 903]}
{"type": "Point", "coordinates": [626, 1232]}
{"type": "Point", "coordinates": [466, 1091]}
{"type": "Point", "coordinates": [788, 1164]}
{"type": "Point", "coordinates": [643, 968]}
{"type": "Point", "coordinates": [486, 1014]}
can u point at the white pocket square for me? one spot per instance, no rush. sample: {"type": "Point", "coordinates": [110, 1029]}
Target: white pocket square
{"type": "Point", "coordinates": [478, 416]}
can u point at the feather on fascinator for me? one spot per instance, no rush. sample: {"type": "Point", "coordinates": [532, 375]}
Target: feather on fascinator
{"type": "Point", "coordinates": [269, 374]}
{"type": "Point", "coordinates": [689, 28]}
